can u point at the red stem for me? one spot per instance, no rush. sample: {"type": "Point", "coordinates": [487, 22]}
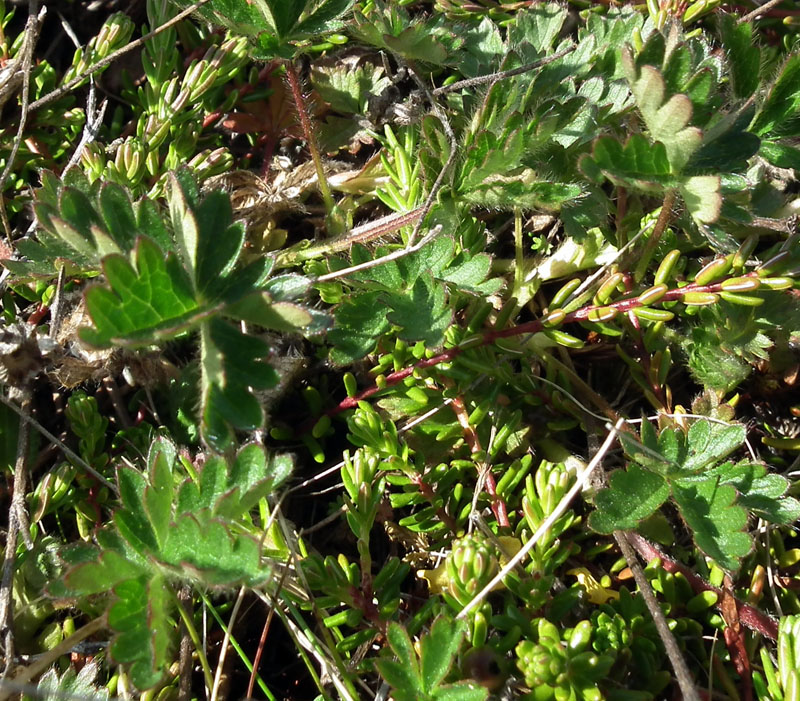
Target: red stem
{"type": "Point", "coordinates": [749, 615]}
{"type": "Point", "coordinates": [530, 327]}
{"type": "Point", "coordinates": [471, 437]}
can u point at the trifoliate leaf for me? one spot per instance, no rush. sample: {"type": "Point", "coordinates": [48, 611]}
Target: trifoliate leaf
{"type": "Point", "coordinates": [633, 495]}
{"type": "Point", "coordinates": [666, 118]}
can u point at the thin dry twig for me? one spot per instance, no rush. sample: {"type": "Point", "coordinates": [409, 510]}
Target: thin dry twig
{"type": "Point", "coordinates": [545, 526]}
{"type": "Point", "coordinates": [749, 615]}
{"type": "Point", "coordinates": [185, 654]}
{"type": "Point", "coordinates": [501, 75]}
{"type": "Point", "coordinates": [71, 454]}
{"type": "Point", "coordinates": [394, 255]}
{"type": "Point", "coordinates": [226, 640]}
{"type": "Point", "coordinates": [755, 14]}
{"type": "Point", "coordinates": [9, 687]}
{"type": "Point", "coordinates": [25, 62]}
{"type": "Point", "coordinates": [17, 522]}
{"type": "Point", "coordinates": [682, 674]}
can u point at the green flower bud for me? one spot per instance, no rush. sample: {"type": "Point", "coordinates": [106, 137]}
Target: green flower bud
{"type": "Point", "coordinates": [470, 566]}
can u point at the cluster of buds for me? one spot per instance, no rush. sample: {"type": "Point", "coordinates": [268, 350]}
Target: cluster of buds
{"type": "Point", "coordinates": [563, 670]}
{"type": "Point", "coordinates": [113, 35]}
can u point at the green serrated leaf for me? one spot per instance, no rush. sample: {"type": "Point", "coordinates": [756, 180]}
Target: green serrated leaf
{"type": "Point", "coordinates": [509, 192]}
{"type": "Point", "coordinates": [438, 650]}
{"type": "Point", "coordinates": [348, 90]}
{"type": "Point", "coordinates": [760, 492]}
{"type": "Point", "coordinates": [278, 316]}
{"type": "Point", "coordinates": [778, 114]}
{"type": "Point", "coordinates": [232, 363]}
{"type": "Point", "coordinates": [404, 677]}
{"type": "Point", "coordinates": [101, 575]}
{"type": "Point", "coordinates": [205, 550]}
{"type": "Point", "coordinates": [132, 522]}
{"type": "Point", "coordinates": [70, 684]}
{"type": "Point", "coordinates": [326, 18]}
{"type": "Point", "coordinates": [632, 496]}
{"type": "Point", "coordinates": [360, 321]}
{"type": "Point", "coordinates": [715, 368]}
{"type": "Point", "coordinates": [744, 57]}
{"type": "Point", "coordinates": [539, 26]}
{"type": "Point", "coordinates": [709, 442]}
{"type": "Point", "coordinates": [219, 244]}
{"type": "Point", "coordinates": [717, 524]}
{"type": "Point", "coordinates": [421, 312]}
{"type": "Point", "coordinates": [151, 302]}
{"type": "Point", "coordinates": [158, 496]}
{"type": "Point", "coordinates": [140, 617]}
{"type": "Point", "coordinates": [117, 211]}
{"type": "Point", "coordinates": [638, 164]}
{"type": "Point", "coordinates": [667, 119]}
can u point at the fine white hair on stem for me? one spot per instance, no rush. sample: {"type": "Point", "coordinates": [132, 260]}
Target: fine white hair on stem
{"type": "Point", "coordinates": [548, 522]}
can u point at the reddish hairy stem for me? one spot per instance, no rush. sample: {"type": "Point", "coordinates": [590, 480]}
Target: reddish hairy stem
{"type": "Point", "coordinates": [749, 615]}
{"type": "Point", "coordinates": [302, 114]}
{"type": "Point", "coordinates": [584, 314]}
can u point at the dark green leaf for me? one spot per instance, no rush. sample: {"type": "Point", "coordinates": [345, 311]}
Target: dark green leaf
{"type": "Point", "coordinates": [153, 301]}
{"type": "Point", "coordinates": [117, 211]}
{"type": "Point", "coordinates": [778, 113]}
{"type": "Point", "coordinates": [717, 524]}
{"type": "Point", "coordinates": [438, 650]}
{"type": "Point", "coordinates": [539, 26]}
{"type": "Point", "coordinates": [638, 164]}
{"type": "Point", "coordinates": [632, 496]}
{"type": "Point", "coordinates": [744, 57]}
{"type": "Point", "coordinates": [780, 155]}
{"type": "Point", "coordinates": [709, 442]}
{"type": "Point", "coordinates": [508, 193]}
{"type": "Point", "coordinates": [324, 18]}
{"type": "Point", "coordinates": [140, 615]}
{"type": "Point", "coordinates": [359, 322]}
{"type": "Point", "coordinates": [422, 313]}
